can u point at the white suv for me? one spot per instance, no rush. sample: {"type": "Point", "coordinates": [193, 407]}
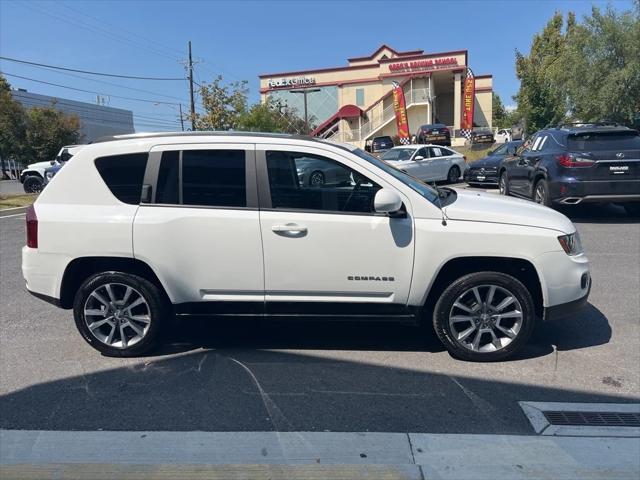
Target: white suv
{"type": "Point", "coordinates": [138, 230]}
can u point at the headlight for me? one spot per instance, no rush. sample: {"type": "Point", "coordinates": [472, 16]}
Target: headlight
{"type": "Point", "coordinates": [49, 175]}
{"type": "Point", "coordinates": [571, 243]}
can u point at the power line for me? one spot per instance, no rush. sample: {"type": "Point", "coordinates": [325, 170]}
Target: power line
{"type": "Point", "coordinates": [87, 71]}
{"type": "Point", "coordinates": [113, 84]}
{"type": "Point", "coordinates": [102, 21]}
{"type": "Point", "coordinates": [88, 91]}
{"type": "Point", "coordinates": [95, 29]}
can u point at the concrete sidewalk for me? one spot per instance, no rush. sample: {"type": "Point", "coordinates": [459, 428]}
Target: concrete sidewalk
{"type": "Point", "coordinates": [312, 455]}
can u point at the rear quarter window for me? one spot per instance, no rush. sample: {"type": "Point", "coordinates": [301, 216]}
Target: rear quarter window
{"type": "Point", "coordinates": [124, 174]}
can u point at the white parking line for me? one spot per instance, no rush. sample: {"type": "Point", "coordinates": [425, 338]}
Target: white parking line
{"type": "Point", "coordinates": [12, 216]}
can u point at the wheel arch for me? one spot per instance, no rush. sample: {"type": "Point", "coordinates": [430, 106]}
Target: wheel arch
{"type": "Point", "coordinates": [79, 269]}
{"type": "Point", "coordinates": [520, 268]}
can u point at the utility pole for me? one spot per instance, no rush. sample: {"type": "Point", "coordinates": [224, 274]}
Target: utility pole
{"type": "Point", "coordinates": [193, 105]}
{"type": "Point", "coordinates": [181, 118]}
{"type": "Point", "coordinates": [305, 92]}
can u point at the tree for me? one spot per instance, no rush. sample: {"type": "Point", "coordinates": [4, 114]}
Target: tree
{"type": "Point", "coordinates": [224, 105]}
{"type": "Point", "coordinates": [542, 99]}
{"type": "Point", "coordinates": [499, 114]}
{"type": "Point", "coordinates": [602, 66]}
{"type": "Point", "coordinates": [12, 125]}
{"type": "Point", "coordinates": [47, 131]}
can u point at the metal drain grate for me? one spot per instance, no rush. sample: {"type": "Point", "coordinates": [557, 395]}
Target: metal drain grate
{"type": "Point", "coordinates": [593, 419]}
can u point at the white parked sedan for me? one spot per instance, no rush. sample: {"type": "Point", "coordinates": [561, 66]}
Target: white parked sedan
{"type": "Point", "coordinates": [429, 163]}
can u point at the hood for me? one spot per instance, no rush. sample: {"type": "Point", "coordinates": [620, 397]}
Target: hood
{"type": "Point", "coordinates": [39, 165]}
{"type": "Point", "coordinates": [488, 161]}
{"type": "Point", "coordinates": [489, 207]}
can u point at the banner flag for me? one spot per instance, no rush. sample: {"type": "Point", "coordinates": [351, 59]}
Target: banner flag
{"type": "Point", "coordinates": [468, 103]}
{"type": "Point", "coordinates": [400, 108]}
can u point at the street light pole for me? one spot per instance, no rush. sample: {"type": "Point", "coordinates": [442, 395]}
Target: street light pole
{"type": "Point", "coordinates": [305, 92]}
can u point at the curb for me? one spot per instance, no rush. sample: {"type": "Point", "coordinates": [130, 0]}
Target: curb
{"type": "Point", "coordinates": [12, 211]}
{"type": "Point", "coordinates": [312, 455]}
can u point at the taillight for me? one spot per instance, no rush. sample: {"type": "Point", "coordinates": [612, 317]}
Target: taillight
{"type": "Point", "coordinates": [464, 157]}
{"type": "Point", "coordinates": [570, 161]}
{"type": "Point", "coordinates": [32, 227]}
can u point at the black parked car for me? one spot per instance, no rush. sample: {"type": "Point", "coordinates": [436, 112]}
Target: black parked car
{"type": "Point", "coordinates": [482, 136]}
{"type": "Point", "coordinates": [434, 134]}
{"type": "Point", "coordinates": [378, 145]}
{"type": "Point", "coordinates": [574, 164]}
{"type": "Point", "coordinates": [485, 171]}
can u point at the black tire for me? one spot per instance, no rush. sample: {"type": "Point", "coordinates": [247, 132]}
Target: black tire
{"type": "Point", "coordinates": [503, 184]}
{"type": "Point", "coordinates": [317, 174]}
{"type": "Point", "coordinates": [159, 312]}
{"type": "Point", "coordinates": [632, 209]}
{"type": "Point", "coordinates": [444, 307]}
{"type": "Point", "coordinates": [33, 184]}
{"type": "Point", "coordinates": [541, 193]}
{"type": "Point", "coordinates": [454, 174]}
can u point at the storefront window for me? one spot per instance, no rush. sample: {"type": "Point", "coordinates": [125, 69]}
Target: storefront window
{"type": "Point", "coordinates": [320, 105]}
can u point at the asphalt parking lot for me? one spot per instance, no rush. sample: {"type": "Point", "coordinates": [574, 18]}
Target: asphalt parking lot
{"type": "Point", "coordinates": [256, 375]}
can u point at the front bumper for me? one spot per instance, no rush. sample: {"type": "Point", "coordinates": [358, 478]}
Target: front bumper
{"type": "Point", "coordinates": [558, 312]}
{"type": "Point", "coordinates": [486, 178]}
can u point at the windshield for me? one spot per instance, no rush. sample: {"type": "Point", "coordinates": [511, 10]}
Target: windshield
{"type": "Point", "coordinates": [398, 154]}
{"type": "Point", "coordinates": [431, 194]}
{"type": "Point", "coordinates": [501, 150]}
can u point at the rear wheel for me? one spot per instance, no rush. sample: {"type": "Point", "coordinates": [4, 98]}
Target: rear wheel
{"type": "Point", "coordinates": [484, 316]}
{"type": "Point", "coordinates": [454, 174]}
{"type": "Point", "coordinates": [119, 314]}
{"type": "Point", "coordinates": [33, 184]}
{"type": "Point", "coordinates": [541, 193]}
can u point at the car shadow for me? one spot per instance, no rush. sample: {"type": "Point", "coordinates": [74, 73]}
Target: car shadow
{"type": "Point", "coordinates": [587, 328]}
{"type": "Point", "coordinates": [607, 213]}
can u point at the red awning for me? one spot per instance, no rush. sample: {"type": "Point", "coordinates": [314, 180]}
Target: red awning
{"type": "Point", "coordinates": [346, 111]}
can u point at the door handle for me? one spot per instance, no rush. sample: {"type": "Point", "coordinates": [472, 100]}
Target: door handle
{"type": "Point", "coordinates": [289, 229]}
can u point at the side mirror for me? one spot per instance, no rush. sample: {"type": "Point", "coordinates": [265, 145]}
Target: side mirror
{"type": "Point", "coordinates": [387, 201]}
{"type": "Point", "coordinates": [419, 157]}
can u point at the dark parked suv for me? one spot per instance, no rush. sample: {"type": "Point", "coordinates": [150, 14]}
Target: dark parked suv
{"type": "Point", "coordinates": [577, 163]}
{"type": "Point", "coordinates": [378, 145]}
{"type": "Point", "coordinates": [434, 134]}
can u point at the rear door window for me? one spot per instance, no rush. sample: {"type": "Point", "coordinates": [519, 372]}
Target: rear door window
{"type": "Point", "coordinates": [214, 178]}
{"type": "Point", "coordinates": [124, 174]}
{"type": "Point", "coordinates": [604, 141]}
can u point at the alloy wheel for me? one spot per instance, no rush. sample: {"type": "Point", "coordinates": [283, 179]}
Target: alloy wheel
{"type": "Point", "coordinates": [485, 318]}
{"type": "Point", "coordinates": [117, 315]}
{"type": "Point", "coordinates": [503, 185]}
{"type": "Point", "coordinates": [540, 194]}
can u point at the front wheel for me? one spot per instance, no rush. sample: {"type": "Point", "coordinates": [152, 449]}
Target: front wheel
{"type": "Point", "coordinates": [454, 174]}
{"type": "Point", "coordinates": [119, 314]}
{"type": "Point", "coordinates": [33, 184]}
{"type": "Point", "coordinates": [484, 316]}
{"type": "Point", "coordinates": [503, 184]}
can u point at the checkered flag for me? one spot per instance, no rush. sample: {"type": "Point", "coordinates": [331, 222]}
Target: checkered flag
{"type": "Point", "coordinates": [405, 141]}
{"type": "Point", "coordinates": [466, 133]}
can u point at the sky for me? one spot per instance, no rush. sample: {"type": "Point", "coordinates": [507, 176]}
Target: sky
{"type": "Point", "coordinates": [243, 39]}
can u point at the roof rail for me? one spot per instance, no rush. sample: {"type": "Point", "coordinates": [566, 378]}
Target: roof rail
{"type": "Point", "coordinates": [602, 123]}
{"type": "Point", "coordinates": [200, 133]}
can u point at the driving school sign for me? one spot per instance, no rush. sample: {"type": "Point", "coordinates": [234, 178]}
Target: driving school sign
{"type": "Point", "coordinates": [292, 82]}
{"type": "Point", "coordinates": [426, 64]}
